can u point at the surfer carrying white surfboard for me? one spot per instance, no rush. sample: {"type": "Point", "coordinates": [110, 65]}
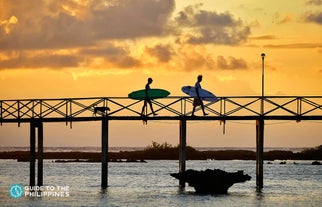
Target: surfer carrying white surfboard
{"type": "Point", "coordinates": [198, 101]}
{"type": "Point", "coordinates": [147, 99]}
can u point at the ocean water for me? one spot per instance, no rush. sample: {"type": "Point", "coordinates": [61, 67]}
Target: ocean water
{"type": "Point", "coordinates": [117, 149]}
{"type": "Point", "coordinates": [149, 184]}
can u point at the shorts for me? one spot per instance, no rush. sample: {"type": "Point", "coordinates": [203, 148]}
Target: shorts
{"type": "Point", "coordinates": [197, 102]}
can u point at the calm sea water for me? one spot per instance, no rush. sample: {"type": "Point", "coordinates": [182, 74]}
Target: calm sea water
{"type": "Point", "coordinates": [149, 184]}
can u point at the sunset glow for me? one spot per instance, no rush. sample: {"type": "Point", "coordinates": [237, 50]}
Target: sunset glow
{"type": "Point", "coordinates": [93, 48]}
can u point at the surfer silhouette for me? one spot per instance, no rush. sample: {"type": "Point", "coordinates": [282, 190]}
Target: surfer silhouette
{"type": "Point", "coordinates": [147, 99]}
{"type": "Point", "coordinates": [198, 101]}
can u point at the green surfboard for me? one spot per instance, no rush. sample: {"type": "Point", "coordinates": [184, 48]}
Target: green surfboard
{"type": "Point", "coordinates": [153, 94]}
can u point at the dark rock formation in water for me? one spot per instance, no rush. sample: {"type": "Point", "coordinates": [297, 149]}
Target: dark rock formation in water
{"type": "Point", "coordinates": [316, 163]}
{"type": "Point", "coordinates": [211, 181]}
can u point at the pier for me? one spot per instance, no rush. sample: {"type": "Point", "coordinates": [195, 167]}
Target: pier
{"type": "Point", "coordinates": [35, 112]}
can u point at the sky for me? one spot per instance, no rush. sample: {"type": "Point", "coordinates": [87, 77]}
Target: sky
{"type": "Point", "coordinates": [104, 48]}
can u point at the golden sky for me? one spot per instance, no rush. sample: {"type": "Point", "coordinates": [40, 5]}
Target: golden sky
{"type": "Point", "coordinates": [86, 48]}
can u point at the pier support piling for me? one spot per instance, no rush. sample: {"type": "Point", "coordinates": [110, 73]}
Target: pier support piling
{"type": "Point", "coordinates": [40, 138]}
{"type": "Point", "coordinates": [104, 153]}
{"type": "Point", "coordinates": [40, 154]}
{"type": "Point", "coordinates": [259, 153]}
{"type": "Point", "coordinates": [182, 150]}
{"type": "Point", "coordinates": [32, 155]}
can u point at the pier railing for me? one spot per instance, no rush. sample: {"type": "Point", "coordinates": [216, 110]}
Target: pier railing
{"type": "Point", "coordinates": [225, 108]}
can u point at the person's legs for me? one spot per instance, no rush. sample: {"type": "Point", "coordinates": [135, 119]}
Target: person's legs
{"type": "Point", "coordinates": [198, 102]}
{"type": "Point", "coordinates": [203, 109]}
{"type": "Point", "coordinates": [195, 104]}
{"type": "Point", "coordinates": [143, 108]}
{"type": "Point", "coordinates": [150, 103]}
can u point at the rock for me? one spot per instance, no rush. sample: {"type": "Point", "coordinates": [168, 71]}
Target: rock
{"type": "Point", "coordinates": [211, 181]}
{"type": "Point", "coordinates": [316, 163]}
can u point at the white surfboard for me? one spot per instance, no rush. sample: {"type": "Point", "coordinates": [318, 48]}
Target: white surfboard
{"type": "Point", "coordinates": [204, 94]}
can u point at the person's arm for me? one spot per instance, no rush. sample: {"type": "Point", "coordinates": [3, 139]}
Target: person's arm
{"type": "Point", "coordinates": [197, 91]}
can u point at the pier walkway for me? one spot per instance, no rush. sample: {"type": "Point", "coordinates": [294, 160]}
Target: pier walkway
{"type": "Point", "coordinates": [69, 110]}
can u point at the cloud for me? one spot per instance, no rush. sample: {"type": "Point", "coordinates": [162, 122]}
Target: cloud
{"type": "Point", "coordinates": [132, 19]}
{"type": "Point", "coordinates": [42, 61]}
{"type": "Point", "coordinates": [286, 19]}
{"type": "Point", "coordinates": [107, 50]}
{"type": "Point", "coordinates": [295, 45]}
{"type": "Point", "coordinates": [162, 52]}
{"type": "Point", "coordinates": [314, 2]}
{"type": "Point", "coordinates": [112, 55]}
{"type": "Point", "coordinates": [289, 46]}
{"type": "Point", "coordinates": [106, 56]}
{"type": "Point", "coordinates": [314, 18]}
{"type": "Point", "coordinates": [42, 25]}
{"type": "Point", "coordinates": [231, 63]}
{"type": "Point", "coordinates": [212, 27]}
{"type": "Point", "coordinates": [263, 37]}
{"type": "Point", "coordinates": [193, 58]}
{"type": "Point", "coordinates": [8, 24]}
{"type": "Point", "coordinates": [279, 18]}
{"type": "Point", "coordinates": [67, 23]}
{"type": "Point", "coordinates": [190, 57]}
{"type": "Point", "coordinates": [86, 28]}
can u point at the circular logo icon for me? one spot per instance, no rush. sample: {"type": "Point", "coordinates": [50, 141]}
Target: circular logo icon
{"type": "Point", "coordinates": [16, 191]}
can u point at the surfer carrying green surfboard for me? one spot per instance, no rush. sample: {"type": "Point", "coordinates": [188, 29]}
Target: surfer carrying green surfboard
{"type": "Point", "coordinates": [147, 99]}
{"type": "Point", "coordinates": [198, 101]}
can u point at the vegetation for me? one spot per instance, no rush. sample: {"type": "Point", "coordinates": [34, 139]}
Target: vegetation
{"type": "Point", "coordinates": [308, 154]}
{"type": "Point", "coordinates": [156, 146]}
{"type": "Point", "coordinates": [166, 151]}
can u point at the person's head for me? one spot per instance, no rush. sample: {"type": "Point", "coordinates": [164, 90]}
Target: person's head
{"type": "Point", "coordinates": [150, 80]}
{"type": "Point", "coordinates": [199, 78]}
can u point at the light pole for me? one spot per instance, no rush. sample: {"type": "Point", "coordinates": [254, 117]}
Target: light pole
{"type": "Point", "coordinates": [260, 137]}
{"type": "Point", "coordinates": [262, 103]}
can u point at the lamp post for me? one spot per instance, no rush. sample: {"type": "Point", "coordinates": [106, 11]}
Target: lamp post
{"type": "Point", "coordinates": [262, 103]}
{"type": "Point", "coordinates": [260, 138]}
